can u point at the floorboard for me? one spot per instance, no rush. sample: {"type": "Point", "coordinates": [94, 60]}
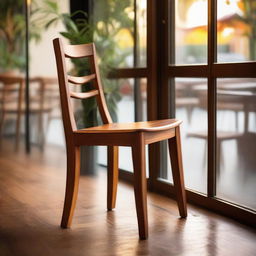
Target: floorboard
{"type": "Point", "coordinates": [31, 200]}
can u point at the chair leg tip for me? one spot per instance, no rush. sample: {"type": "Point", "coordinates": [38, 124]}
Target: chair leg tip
{"type": "Point", "coordinates": [64, 225]}
{"type": "Point", "coordinates": [143, 237]}
{"type": "Point", "coordinates": [109, 209]}
{"type": "Point", "coordinates": [111, 206]}
{"type": "Point", "coordinates": [143, 234]}
{"type": "Point", "coordinates": [183, 215]}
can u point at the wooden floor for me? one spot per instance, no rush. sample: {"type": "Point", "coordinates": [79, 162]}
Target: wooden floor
{"type": "Point", "coordinates": [31, 200]}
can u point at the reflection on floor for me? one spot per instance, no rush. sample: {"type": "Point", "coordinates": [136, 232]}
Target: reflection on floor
{"type": "Point", "coordinates": [31, 200]}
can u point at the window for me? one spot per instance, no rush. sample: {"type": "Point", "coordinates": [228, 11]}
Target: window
{"type": "Point", "coordinates": [208, 80]}
{"type": "Point", "coordinates": [192, 54]}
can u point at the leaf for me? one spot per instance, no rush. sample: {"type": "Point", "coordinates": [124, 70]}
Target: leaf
{"type": "Point", "coordinates": [53, 5]}
{"type": "Point", "coordinates": [50, 22]}
{"type": "Point", "coordinates": [67, 35]}
{"type": "Point", "coordinates": [79, 12]}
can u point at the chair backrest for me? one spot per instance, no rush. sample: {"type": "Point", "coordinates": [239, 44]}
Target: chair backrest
{"type": "Point", "coordinates": [78, 51]}
{"type": "Point", "coordinates": [11, 91]}
{"type": "Point", "coordinates": [44, 93]}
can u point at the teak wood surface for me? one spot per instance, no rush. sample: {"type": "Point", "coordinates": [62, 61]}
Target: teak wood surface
{"type": "Point", "coordinates": [134, 135]}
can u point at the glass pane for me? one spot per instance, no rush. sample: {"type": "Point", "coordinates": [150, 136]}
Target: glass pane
{"type": "Point", "coordinates": [236, 140]}
{"type": "Point", "coordinates": [46, 126]}
{"type": "Point", "coordinates": [131, 107]}
{"type": "Point", "coordinates": [141, 24]}
{"type": "Point", "coordinates": [190, 28]}
{"type": "Point", "coordinates": [236, 30]}
{"type": "Point", "coordinates": [115, 26]}
{"type": "Point", "coordinates": [12, 35]}
{"type": "Point", "coordinates": [12, 67]}
{"type": "Point", "coordinates": [191, 108]}
{"type": "Point", "coordinates": [43, 82]}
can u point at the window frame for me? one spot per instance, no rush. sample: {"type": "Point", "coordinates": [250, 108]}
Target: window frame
{"type": "Point", "coordinates": [211, 71]}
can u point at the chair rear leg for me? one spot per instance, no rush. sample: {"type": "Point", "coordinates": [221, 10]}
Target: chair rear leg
{"type": "Point", "coordinates": [17, 135]}
{"type": "Point", "coordinates": [2, 117]}
{"type": "Point", "coordinates": [73, 174]}
{"type": "Point", "coordinates": [112, 177]}
{"type": "Point", "coordinates": [140, 188]}
{"type": "Point", "coordinates": [177, 172]}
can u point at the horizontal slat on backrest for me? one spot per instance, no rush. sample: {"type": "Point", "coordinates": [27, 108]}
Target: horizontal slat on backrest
{"type": "Point", "coordinates": [78, 51]}
{"type": "Point", "coordinates": [81, 79]}
{"type": "Point", "coordinates": [45, 80]}
{"type": "Point", "coordinates": [84, 95]}
{"type": "Point", "coordinates": [9, 88]}
{"type": "Point", "coordinates": [9, 79]}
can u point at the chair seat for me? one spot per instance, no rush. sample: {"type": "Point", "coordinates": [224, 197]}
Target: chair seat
{"type": "Point", "coordinates": [149, 126]}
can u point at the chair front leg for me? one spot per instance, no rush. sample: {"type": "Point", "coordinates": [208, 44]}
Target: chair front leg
{"type": "Point", "coordinates": [112, 176]}
{"type": "Point", "coordinates": [140, 186]}
{"type": "Point", "coordinates": [73, 174]}
{"type": "Point", "coordinates": [177, 171]}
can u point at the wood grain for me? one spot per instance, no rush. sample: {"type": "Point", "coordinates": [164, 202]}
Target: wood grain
{"type": "Point", "coordinates": [112, 177]}
{"type": "Point", "coordinates": [78, 51]}
{"type": "Point", "coordinates": [177, 172]}
{"type": "Point", "coordinates": [84, 95]}
{"type": "Point", "coordinates": [73, 173]}
{"type": "Point", "coordinates": [31, 201]}
{"type": "Point", "coordinates": [140, 185]}
{"type": "Point", "coordinates": [81, 79]}
{"type": "Point", "coordinates": [156, 125]}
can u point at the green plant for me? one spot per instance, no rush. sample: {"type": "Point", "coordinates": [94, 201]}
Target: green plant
{"type": "Point", "coordinates": [248, 8]}
{"type": "Point", "coordinates": [12, 25]}
{"type": "Point", "coordinates": [77, 32]}
{"type": "Point", "coordinates": [82, 31]}
{"type": "Point", "coordinates": [109, 18]}
{"type": "Point", "coordinates": [12, 34]}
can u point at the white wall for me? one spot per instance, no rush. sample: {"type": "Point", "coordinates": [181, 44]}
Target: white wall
{"type": "Point", "coordinates": [42, 59]}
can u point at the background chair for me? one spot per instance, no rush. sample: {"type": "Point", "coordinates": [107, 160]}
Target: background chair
{"type": "Point", "coordinates": [44, 99]}
{"type": "Point", "coordinates": [11, 96]}
{"type": "Point", "coordinates": [45, 105]}
{"type": "Point", "coordinates": [135, 135]}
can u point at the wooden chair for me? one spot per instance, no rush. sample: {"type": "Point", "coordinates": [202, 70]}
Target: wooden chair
{"type": "Point", "coordinates": [134, 135]}
{"type": "Point", "coordinates": [43, 100]}
{"type": "Point", "coordinates": [11, 96]}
